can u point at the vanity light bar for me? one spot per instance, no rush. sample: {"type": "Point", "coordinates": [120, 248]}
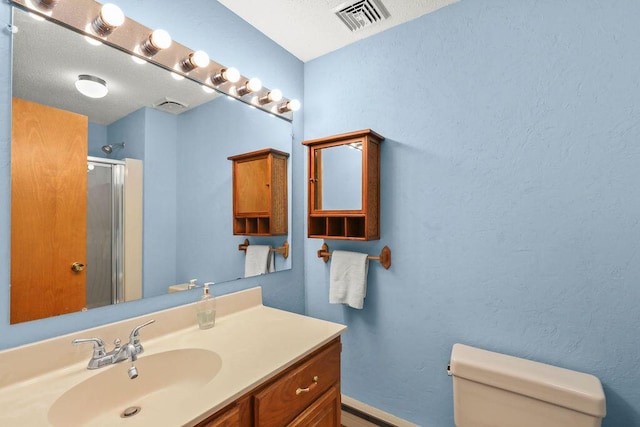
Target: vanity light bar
{"type": "Point", "coordinates": [158, 48]}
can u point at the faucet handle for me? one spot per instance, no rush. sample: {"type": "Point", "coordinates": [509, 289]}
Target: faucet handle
{"type": "Point", "coordinates": [133, 338]}
{"type": "Point", "coordinates": [98, 345]}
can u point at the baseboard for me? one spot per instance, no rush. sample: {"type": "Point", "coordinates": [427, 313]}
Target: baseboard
{"type": "Point", "coordinates": [359, 414]}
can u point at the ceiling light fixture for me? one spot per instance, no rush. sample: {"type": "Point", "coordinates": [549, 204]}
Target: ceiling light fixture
{"type": "Point", "coordinates": [91, 86]}
{"type": "Point", "coordinates": [109, 18]}
{"type": "Point", "coordinates": [231, 75]}
{"type": "Point", "coordinates": [293, 105]}
{"type": "Point", "coordinates": [252, 85]}
{"type": "Point", "coordinates": [196, 59]}
{"type": "Point", "coordinates": [157, 40]}
{"type": "Point", "coordinates": [274, 95]}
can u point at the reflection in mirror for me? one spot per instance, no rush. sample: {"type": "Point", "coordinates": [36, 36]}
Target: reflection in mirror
{"type": "Point", "coordinates": [179, 135]}
{"type": "Point", "coordinates": [340, 177]}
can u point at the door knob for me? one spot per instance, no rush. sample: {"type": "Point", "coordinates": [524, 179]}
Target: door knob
{"type": "Point", "coordinates": [77, 267]}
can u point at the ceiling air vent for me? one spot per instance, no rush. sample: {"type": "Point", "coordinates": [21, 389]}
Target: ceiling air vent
{"type": "Point", "coordinates": [170, 106]}
{"type": "Point", "coordinates": [359, 14]}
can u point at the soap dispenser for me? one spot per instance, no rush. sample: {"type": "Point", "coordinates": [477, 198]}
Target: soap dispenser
{"type": "Point", "coordinates": [206, 309]}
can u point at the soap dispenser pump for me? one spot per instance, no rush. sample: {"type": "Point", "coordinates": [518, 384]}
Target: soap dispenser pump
{"type": "Point", "coordinates": [206, 309]}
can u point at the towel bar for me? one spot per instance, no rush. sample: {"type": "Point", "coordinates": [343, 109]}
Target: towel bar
{"type": "Point", "coordinates": [282, 250]}
{"type": "Point", "coordinates": [384, 257]}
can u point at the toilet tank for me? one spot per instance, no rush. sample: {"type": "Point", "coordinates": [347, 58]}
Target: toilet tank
{"type": "Point", "coordinates": [497, 390]}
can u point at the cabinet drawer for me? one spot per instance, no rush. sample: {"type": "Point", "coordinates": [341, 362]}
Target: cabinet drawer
{"type": "Point", "coordinates": [280, 402]}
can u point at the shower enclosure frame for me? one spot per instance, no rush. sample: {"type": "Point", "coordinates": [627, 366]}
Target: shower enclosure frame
{"type": "Point", "coordinates": [117, 226]}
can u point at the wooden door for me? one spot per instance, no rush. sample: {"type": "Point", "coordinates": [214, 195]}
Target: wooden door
{"type": "Point", "coordinates": [48, 210]}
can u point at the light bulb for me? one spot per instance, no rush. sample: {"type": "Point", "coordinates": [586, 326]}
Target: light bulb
{"type": "Point", "coordinates": [112, 15]}
{"type": "Point", "coordinates": [195, 59]}
{"type": "Point", "coordinates": [109, 18]}
{"type": "Point", "coordinates": [157, 40]}
{"type": "Point", "coordinates": [293, 105]}
{"type": "Point", "coordinates": [274, 95]}
{"type": "Point", "coordinates": [253, 85]}
{"type": "Point", "coordinates": [231, 75]}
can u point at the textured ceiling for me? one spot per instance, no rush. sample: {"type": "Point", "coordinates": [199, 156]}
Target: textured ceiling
{"type": "Point", "coordinates": [310, 28]}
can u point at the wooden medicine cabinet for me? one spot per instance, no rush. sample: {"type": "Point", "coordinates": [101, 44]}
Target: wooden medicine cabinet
{"type": "Point", "coordinates": [260, 205]}
{"type": "Point", "coordinates": [344, 186]}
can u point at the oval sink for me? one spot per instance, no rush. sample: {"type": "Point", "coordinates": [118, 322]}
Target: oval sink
{"type": "Point", "coordinates": [164, 379]}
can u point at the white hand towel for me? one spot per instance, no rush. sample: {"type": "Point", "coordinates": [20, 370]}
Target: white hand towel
{"type": "Point", "coordinates": [348, 278]}
{"type": "Point", "coordinates": [259, 260]}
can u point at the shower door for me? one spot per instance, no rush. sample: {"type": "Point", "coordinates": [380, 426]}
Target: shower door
{"type": "Point", "coordinates": [104, 232]}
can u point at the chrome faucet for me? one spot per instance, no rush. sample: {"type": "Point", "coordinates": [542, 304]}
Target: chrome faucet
{"type": "Point", "coordinates": [129, 351]}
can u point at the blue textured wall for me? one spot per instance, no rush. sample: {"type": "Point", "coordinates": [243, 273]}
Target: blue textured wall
{"type": "Point", "coordinates": [217, 130]}
{"type": "Point", "coordinates": [229, 41]}
{"type": "Point", "coordinates": [510, 197]}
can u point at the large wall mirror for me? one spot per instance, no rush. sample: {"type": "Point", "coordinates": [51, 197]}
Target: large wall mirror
{"type": "Point", "coordinates": [173, 133]}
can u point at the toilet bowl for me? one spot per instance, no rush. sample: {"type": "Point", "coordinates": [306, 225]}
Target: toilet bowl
{"type": "Point", "coordinates": [497, 390]}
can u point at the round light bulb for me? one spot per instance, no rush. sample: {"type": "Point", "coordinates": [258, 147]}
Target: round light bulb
{"type": "Point", "coordinates": [199, 58]}
{"type": "Point", "coordinates": [254, 84]}
{"type": "Point", "coordinates": [160, 39]}
{"type": "Point", "coordinates": [231, 74]}
{"type": "Point", "coordinates": [275, 95]}
{"type": "Point", "coordinates": [112, 15]}
{"type": "Point", "coordinates": [294, 105]}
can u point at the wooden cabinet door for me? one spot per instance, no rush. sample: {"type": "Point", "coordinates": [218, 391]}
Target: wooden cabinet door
{"type": "Point", "coordinates": [253, 181]}
{"type": "Point", "coordinates": [48, 211]}
{"type": "Point", "coordinates": [230, 418]}
{"type": "Point", "coordinates": [324, 412]}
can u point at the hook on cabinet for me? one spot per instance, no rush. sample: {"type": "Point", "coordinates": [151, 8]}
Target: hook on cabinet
{"type": "Point", "coordinates": [384, 257]}
{"type": "Point", "coordinates": [282, 250]}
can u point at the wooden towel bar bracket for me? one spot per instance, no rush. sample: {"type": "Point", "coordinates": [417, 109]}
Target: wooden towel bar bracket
{"type": "Point", "coordinates": [282, 250]}
{"type": "Point", "coordinates": [384, 257]}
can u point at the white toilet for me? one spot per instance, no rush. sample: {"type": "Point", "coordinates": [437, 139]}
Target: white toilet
{"type": "Point", "coordinates": [493, 389]}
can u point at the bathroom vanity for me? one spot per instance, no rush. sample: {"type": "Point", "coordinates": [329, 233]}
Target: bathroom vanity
{"type": "Point", "coordinates": [285, 400]}
{"type": "Point", "coordinates": [258, 366]}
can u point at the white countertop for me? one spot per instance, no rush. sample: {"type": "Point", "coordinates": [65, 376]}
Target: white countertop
{"type": "Point", "coordinates": [254, 343]}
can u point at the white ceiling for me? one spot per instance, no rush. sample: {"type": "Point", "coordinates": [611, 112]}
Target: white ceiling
{"type": "Point", "coordinates": [310, 28]}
